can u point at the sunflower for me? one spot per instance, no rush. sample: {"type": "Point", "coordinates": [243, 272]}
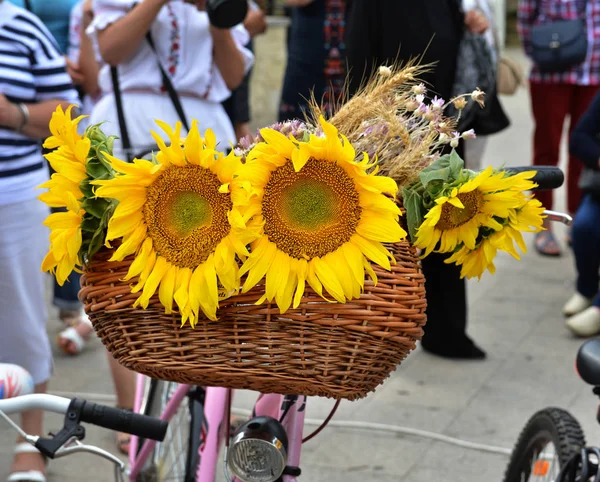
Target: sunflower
{"type": "Point", "coordinates": [64, 191]}
{"type": "Point", "coordinates": [457, 217]}
{"type": "Point", "coordinates": [322, 214]}
{"type": "Point", "coordinates": [176, 217]}
{"type": "Point", "coordinates": [474, 262]}
{"type": "Point", "coordinates": [527, 218]}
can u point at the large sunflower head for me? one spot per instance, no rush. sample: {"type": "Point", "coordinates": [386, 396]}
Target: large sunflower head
{"type": "Point", "coordinates": [477, 202]}
{"type": "Point", "coordinates": [175, 215]}
{"type": "Point", "coordinates": [64, 191]}
{"type": "Point", "coordinates": [323, 216]}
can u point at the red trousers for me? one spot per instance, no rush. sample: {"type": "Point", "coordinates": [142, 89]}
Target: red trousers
{"type": "Point", "coordinates": [551, 104]}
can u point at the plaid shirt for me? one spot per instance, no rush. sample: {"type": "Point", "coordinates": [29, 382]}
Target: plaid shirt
{"type": "Point", "coordinates": [534, 12]}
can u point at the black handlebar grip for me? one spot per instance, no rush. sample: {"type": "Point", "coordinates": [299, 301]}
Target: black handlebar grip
{"type": "Point", "coordinates": [125, 421]}
{"type": "Point", "coordinates": [546, 177]}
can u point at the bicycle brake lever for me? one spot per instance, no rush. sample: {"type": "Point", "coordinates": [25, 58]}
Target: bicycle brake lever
{"type": "Point", "coordinates": [91, 449]}
{"type": "Point", "coordinates": [558, 217]}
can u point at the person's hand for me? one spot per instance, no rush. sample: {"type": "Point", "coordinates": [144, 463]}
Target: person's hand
{"type": "Point", "coordinates": [74, 72]}
{"type": "Point", "coordinates": [10, 115]}
{"type": "Point", "coordinates": [476, 22]}
{"type": "Point", "coordinates": [87, 13]}
{"type": "Point", "coordinates": [256, 22]}
{"type": "Point", "coordinates": [298, 3]}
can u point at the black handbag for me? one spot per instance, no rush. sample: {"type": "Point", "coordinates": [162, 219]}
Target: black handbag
{"type": "Point", "coordinates": [167, 85]}
{"type": "Point", "coordinates": [557, 46]}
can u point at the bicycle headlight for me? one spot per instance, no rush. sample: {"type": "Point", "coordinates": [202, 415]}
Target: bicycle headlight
{"type": "Point", "coordinates": [258, 451]}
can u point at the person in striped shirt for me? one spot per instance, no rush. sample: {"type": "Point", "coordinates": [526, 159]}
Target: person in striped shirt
{"type": "Point", "coordinates": [556, 95]}
{"type": "Point", "coordinates": [33, 82]}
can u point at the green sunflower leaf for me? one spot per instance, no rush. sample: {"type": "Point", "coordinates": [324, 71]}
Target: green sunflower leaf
{"type": "Point", "coordinates": [86, 188]}
{"type": "Point", "coordinates": [438, 170]}
{"type": "Point", "coordinates": [456, 164]}
{"type": "Point", "coordinates": [95, 207]}
{"type": "Point", "coordinates": [96, 243]}
{"type": "Point", "coordinates": [413, 204]}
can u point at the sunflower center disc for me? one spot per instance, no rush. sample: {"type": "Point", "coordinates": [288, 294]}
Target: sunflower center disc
{"type": "Point", "coordinates": [186, 214]}
{"type": "Point", "coordinates": [453, 217]}
{"type": "Point", "coordinates": [188, 210]}
{"type": "Point", "coordinates": [312, 212]}
{"type": "Point", "coordinates": [309, 204]}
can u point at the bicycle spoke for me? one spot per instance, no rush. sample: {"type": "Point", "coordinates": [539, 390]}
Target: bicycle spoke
{"type": "Point", "coordinates": [170, 456]}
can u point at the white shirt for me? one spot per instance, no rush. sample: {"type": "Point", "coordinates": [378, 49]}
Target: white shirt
{"type": "Point", "coordinates": [182, 37]}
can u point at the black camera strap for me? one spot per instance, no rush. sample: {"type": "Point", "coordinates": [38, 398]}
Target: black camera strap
{"type": "Point", "coordinates": [166, 84]}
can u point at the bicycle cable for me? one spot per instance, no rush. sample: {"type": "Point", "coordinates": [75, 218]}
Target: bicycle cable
{"type": "Point", "coordinates": [324, 424]}
{"type": "Point", "coordinates": [380, 427]}
{"type": "Point", "coordinates": [377, 427]}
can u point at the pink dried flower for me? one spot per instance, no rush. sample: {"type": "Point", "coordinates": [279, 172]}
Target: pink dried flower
{"type": "Point", "coordinates": [419, 89]}
{"type": "Point", "coordinates": [437, 104]}
{"type": "Point", "coordinates": [470, 134]}
{"type": "Point", "coordinates": [412, 105]}
{"type": "Point", "coordinates": [455, 139]}
{"type": "Point", "coordinates": [460, 103]}
{"type": "Point", "coordinates": [478, 96]}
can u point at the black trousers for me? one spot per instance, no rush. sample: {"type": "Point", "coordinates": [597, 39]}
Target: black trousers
{"type": "Point", "coordinates": [446, 301]}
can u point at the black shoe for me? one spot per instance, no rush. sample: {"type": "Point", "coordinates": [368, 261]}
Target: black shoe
{"type": "Point", "coordinates": [464, 349]}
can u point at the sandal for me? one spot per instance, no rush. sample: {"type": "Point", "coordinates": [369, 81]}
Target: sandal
{"type": "Point", "coordinates": [123, 441]}
{"type": "Point", "coordinates": [546, 245]}
{"type": "Point", "coordinates": [71, 317]}
{"type": "Point", "coordinates": [29, 475]}
{"type": "Point", "coordinates": [70, 341]}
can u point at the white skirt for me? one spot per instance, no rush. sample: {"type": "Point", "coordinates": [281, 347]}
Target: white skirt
{"type": "Point", "coordinates": [142, 110]}
{"type": "Point", "coordinates": [23, 314]}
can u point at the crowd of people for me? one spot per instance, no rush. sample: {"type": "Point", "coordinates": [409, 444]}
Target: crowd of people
{"type": "Point", "coordinates": [128, 62]}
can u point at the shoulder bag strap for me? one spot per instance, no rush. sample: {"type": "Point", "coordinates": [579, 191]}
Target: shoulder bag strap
{"type": "Point", "coordinates": [125, 141]}
{"type": "Point", "coordinates": [168, 85]}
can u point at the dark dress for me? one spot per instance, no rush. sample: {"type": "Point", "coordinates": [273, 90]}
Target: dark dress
{"type": "Point", "coordinates": [380, 32]}
{"type": "Point", "coordinates": [315, 58]}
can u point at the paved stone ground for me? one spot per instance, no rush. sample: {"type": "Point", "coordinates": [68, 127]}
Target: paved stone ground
{"type": "Point", "coordinates": [514, 315]}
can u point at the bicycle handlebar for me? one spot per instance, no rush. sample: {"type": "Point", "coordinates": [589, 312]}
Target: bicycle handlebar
{"type": "Point", "coordinates": [107, 417]}
{"type": "Point", "coordinates": [546, 177]}
{"type": "Point", "coordinates": [121, 420]}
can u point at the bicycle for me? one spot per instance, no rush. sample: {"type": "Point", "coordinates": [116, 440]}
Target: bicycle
{"type": "Point", "coordinates": [265, 448]}
{"type": "Point", "coordinates": [552, 445]}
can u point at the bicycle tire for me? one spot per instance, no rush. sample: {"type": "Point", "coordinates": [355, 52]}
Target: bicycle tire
{"type": "Point", "coordinates": [551, 425]}
{"type": "Point", "coordinates": [176, 458]}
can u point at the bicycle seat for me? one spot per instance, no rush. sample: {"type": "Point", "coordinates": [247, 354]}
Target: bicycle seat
{"type": "Point", "coordinates": [588, 362]}
{"type": "Point", "coordinates": [14, 381]}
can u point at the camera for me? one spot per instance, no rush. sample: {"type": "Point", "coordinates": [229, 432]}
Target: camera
{"type": "Point", "coordinates": [226, 13]}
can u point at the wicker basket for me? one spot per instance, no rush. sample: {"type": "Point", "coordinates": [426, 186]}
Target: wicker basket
{"type": "Point", "coordinates": [320, 349]}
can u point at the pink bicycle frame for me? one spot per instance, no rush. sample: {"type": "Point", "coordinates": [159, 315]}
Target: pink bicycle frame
{"type": "Point", "coordinates": [216, 427]}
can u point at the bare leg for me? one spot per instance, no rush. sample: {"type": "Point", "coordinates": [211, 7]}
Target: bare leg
{"type": "Point", "coordinates": [31, 423]}
{"type": "Point", "coordinates": [124, 381]}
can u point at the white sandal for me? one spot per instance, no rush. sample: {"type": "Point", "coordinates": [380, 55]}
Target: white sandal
{"type": "Point", "coordinates": [71, 335]}
{"type": "Point", "coordinates": [30, 475]}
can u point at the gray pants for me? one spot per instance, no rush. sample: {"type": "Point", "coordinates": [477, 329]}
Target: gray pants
{"type": "Point", "coordinates": [23, 245]}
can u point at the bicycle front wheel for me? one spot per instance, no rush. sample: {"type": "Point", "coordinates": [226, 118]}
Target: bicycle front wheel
{"type": "Point", "coordinates": [550, 438]}
{"type": "Point", "coordinates": [176, 458]}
